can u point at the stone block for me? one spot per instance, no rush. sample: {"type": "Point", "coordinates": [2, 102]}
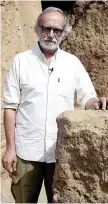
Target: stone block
{"type": "Point", "coordinates": [81, 174]}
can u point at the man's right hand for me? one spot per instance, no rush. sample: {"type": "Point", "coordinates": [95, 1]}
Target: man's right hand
{"type": "Point", "coordinates": [9, 160]}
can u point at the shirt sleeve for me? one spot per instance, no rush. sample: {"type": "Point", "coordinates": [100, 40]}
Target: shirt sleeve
{"type": "Point", "coordinates": [84, 87]}
{"type": "Point", "coordinates": [11, 97]}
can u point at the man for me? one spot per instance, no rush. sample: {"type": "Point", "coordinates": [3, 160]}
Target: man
{"type": "Point", "coordinates": [40, 85]}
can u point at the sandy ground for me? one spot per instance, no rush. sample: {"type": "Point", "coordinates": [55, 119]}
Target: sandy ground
{"type": "Point", "coordinates": [42, 197]}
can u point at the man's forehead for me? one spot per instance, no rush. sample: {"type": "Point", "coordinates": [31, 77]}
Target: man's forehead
{"type": "Point", "coordinates": [52, 15]}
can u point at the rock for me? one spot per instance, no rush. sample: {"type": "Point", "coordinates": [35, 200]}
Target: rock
{"type": "Point", "coordinates": [81, 174]}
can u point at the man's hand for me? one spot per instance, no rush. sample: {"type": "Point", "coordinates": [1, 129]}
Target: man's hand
{"type": "Point", "coordinates": [9, 160]}
{"type": "Point", "coordinates": [96, 104]}
{"type": "Point", "coordinates": [103, 103]}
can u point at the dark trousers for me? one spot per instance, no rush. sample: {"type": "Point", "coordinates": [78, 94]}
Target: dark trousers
{"type": "Point", "coordinates": [31, 176]}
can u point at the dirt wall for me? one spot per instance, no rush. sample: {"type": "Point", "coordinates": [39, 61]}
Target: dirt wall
{"type": "Point", "coordinates": [89, 40]}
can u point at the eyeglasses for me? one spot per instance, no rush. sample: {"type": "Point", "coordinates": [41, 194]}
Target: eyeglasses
{"type": "Point", "coordinates": [47, 30]}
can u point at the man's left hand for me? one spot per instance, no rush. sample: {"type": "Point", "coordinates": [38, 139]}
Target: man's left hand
{"type": "Point", "coordinates": [96, 104]}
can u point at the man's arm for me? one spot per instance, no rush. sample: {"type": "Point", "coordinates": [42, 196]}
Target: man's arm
{"type": "Point", "coordinates": [11, 101]}
{"type": "Point", "coordinates": [9, 159]}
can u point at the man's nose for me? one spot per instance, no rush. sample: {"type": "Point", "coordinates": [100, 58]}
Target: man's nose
{"type": "Point", "coordinates": [51, 34]}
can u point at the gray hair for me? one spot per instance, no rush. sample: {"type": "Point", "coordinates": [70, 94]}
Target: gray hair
{"type": "Point", "coordinates": [67, 26]}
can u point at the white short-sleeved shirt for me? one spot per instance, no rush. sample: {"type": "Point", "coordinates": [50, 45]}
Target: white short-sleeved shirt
{"type": "Point", "coordinates": [39, 97]}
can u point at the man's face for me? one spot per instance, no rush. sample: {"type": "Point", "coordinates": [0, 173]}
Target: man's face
{"type": "Point", "coordinates": [51, 28]}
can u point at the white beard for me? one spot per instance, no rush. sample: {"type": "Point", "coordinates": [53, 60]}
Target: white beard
{"type": "Point", "coordinates": [50, 45]}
